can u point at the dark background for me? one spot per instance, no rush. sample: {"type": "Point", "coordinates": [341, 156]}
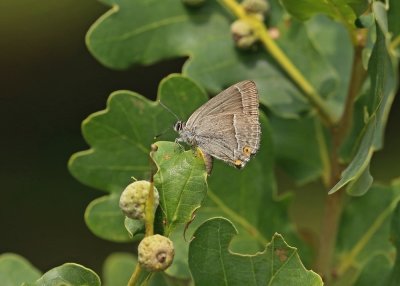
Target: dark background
{"type": "Point", "coordinates": [49, 84]}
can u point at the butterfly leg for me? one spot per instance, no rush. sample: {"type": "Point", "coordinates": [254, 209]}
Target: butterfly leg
{"type": "Point", "coordinates": [180, 146]}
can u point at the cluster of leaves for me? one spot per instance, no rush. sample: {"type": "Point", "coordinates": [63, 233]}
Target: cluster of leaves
{"type": "Point", "coordinates": [321, 41]}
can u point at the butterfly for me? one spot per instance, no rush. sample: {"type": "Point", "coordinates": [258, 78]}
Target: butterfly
{"type": "Point", "coordinates": [227, 127]}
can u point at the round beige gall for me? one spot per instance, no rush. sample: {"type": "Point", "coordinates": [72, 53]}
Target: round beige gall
{"type": "Point", "coordinates": [133, 199]}
{"type": "Point", "coordinates": [156, 253]}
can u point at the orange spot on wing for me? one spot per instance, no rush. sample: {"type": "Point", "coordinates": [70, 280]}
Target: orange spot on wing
{"type": "Point", "coordinates": [247, 150]}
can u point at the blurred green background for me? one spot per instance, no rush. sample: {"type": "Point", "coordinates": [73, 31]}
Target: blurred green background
{"type": "Point", "coordinates": [49, 84]}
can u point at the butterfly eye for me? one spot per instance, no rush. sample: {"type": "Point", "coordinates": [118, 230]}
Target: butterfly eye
{"type": "Point", "coordinates": [178, 126]}
{"type": "Point", "coordinates": [247, 150]}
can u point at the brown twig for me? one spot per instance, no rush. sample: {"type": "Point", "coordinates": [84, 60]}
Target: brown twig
{"type": "Point", "coordinates": [334, 203]}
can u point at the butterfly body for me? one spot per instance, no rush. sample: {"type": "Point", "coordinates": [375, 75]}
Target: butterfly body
{"type": "Point", "coordinates": [226, 127]}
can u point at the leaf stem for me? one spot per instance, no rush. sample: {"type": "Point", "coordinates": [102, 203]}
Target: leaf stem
{"type": "Point", "coordinates": [395, 43]}
{"type": "Point", "coordinates": [261, 31]}
{"type": "Point", "coordinates": [149, 222]}
{"type": "Point", "coordinates": [334, 203]}
{"type": "Point", "coordinates": [135, 275]}
{"type": "Point", "coordinates": [237, 218]}
{"type": "Point", "coordinates": [324, 152]}
{"type": "Point", "coordinates": [149, 215]}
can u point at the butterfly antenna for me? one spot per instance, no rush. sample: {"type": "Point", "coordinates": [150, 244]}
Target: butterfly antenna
{"type": "Point", "coordinates": [169, 110]}
{"type": "Point", "coordinates": [162, 133]}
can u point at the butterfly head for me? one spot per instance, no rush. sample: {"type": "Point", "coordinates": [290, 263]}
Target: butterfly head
{"type": "Point", "coordinates": [179, 125]}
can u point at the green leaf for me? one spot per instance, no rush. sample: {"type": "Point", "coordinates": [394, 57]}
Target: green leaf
{"type": "Point", "coordinates": [383, 75]}
{"type": "Point", "coordinates": [313, 65]}
{"type": "Point", "coordinates": [181, 182]}
{"type": "Point", "coordinates": [363, 108]}
{"type": "Point", "coordinates": [120, 139]}
{"type": "Point", "coordinates": [134, 226]}
{"type": "Point", "coordinates": [340, 10]}
{"type": "Point", "coordinates": [383, 72]}
{"type": "Point", "coordinates": [14, 270]}
{"type": "Point", "coordinates": [212, 263]}
{"type": "Point", "coordinates": [362, 184]}
{"type": "Point", "coordinates": [301, 147]}
{"type": "Point", "coordinates": [68, 274]}
{"type": "Point", "coordinates": [358, 166]}
{"type": "Point", "coordinates": [363, 237]}
{"type": "Point", "coordinates": [144, 32]}
{"type": "Point", "coordinates": [106, 220]}
{"type": "Point", "coordinates": [180, 237]}
{"type": "Point", "coordinates": [325, 34]}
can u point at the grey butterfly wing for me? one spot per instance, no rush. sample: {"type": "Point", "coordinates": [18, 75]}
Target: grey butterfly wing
{"type": "Point", "coordinates": [234, 141]}
{"type": "Point", "coordinates": [241, 97]}
{"type": "Point", "coordinates": [227, 127]}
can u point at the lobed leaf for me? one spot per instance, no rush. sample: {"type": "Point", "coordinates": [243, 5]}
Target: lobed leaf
{"type": "Point", "coordinates": [144, 32]}
{"type": "Point", "coordinates": [120, 139]}
{"type": "Point", "coordinates": [119, 42]}
{"type": "Point", "coordinates": [278, 264]}
{"type": "Point", "coordinates": [120, 136]}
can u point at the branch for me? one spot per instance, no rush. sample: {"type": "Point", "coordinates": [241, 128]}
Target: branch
{"type": "Point", "coordinates": [149, 216]}
{"type": "Point", "coordinates": [261, 32]}
{"type": "Point", "coordinates": [334, 202]}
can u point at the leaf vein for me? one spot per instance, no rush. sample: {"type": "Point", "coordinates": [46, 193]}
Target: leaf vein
{"type": "Point", "coordinates": [147, 28]}
{"type": "Point", "coordinates": [121, 136]}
